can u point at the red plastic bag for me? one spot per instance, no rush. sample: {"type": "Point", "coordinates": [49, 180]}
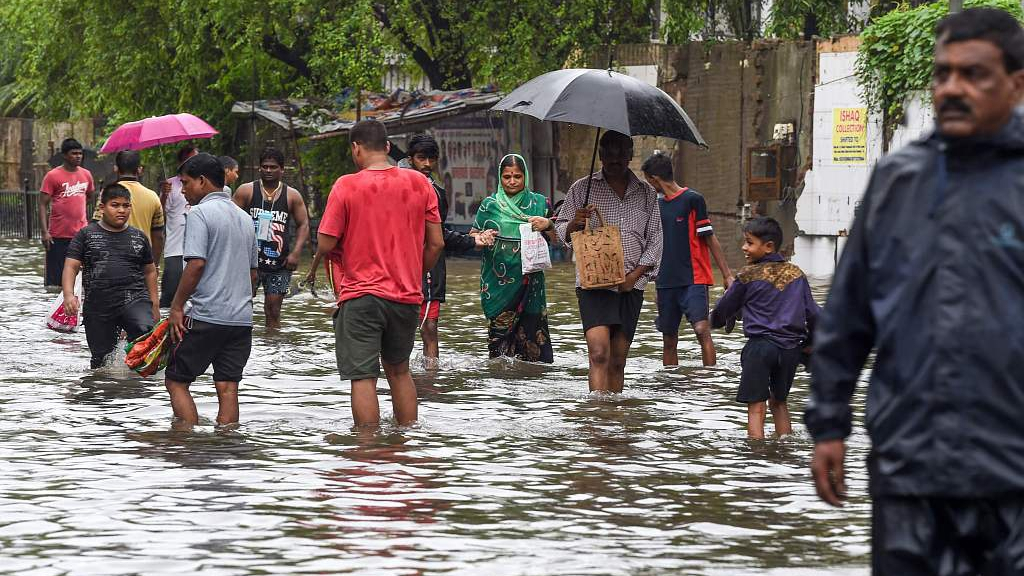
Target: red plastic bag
{"type": "Point", "coordinates": [58, 319]}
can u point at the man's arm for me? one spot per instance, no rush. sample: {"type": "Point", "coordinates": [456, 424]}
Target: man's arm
{"type": "Point", "coordinates": [633, 277]}
{"type": "Point", "coordinates": [650, 258]}
{"type": "Point", "coordinates": [243, 196]}
{"type": "Point", "coordinates": [67, 285]}
{"type": "Point", "coordinates": [457, 242]}
{"type": "Point", "coordinates": [158, 246]}
{"type": "Point", "coordinates": [190, 278]}
{"type": "Point", "coordinates": [723, 265]}
{"type": "Point", "coordinates": [154, 295]}
{"type": "Point", "coordinates": [844, 336]}
{"type": "Point", "coordinates": [297, 207]}
{"type": "Point", "coordinates": [433, 245]}
{"type": "Point", "coordinates": [570, 216]}
{"type": "Point", "coordinates": [44, 218]}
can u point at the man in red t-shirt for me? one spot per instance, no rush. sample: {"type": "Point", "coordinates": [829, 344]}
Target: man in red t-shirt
{"type": "Point", "coordinates": [383, 227]}
{"type": "Point", "coordinates": [62, 212]}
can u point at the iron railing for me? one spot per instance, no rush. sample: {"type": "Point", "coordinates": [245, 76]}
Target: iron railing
{"type": "Point", "coordinates": [19, 214]}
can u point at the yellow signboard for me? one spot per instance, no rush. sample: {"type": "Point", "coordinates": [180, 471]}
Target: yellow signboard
{"type": "Point", "coordinates": [849, 136]}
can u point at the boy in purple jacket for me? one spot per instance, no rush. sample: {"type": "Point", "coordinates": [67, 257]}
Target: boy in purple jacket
{"type": "Point", "coordinates": [774, 300]}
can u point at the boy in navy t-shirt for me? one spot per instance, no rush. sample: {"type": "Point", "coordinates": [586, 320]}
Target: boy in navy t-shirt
{"type": "Point", "coordinates": [685, 273]}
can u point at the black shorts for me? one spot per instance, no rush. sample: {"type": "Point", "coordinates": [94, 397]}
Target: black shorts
{"type": "Point", "coordinates": [368, 330]}
{"type": "Point", "coordinates": [103, 330]}
{"type": "Point", "coordinates": [174, 266]}
{"type": "Point", "coordinates": [618, 310]}
{"type": "Point", "coordinates": [674, 303]}
{"type": "Point", "coordinates": [55, 261]}
{"type": "Point", "coordinates": [914, 536]}
{"type": "Point", "coordinates": [768, 371]}
{"type": "Point", "coordinates": [226, 347]}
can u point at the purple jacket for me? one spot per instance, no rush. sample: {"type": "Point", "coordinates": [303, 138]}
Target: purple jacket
{"type": "Point", "coordinates": [775, 300]}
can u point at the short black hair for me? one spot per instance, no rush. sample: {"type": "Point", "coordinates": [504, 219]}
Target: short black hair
{"type": "Point", "coordinates": [371, 134]}
{"type": "Point", "coordinates": [765, 229]}
{"type": "Point", "coordinates": [115, 190]}
{"type": "Point", "coordinates": [186, 151]}
{"type": "Point", "coordinates": [70, 144]}
{"type": "Point", "coordinates": [424, 144]}
{"type": "Point", "coordinates": [271, 153]}
{"type": "Point", "coordinates": [990, 24]}
{"type": "Point", "coordinates": [128, 161]}
{"type": "Point", "coordinates": [228, 162]}
{"type": "Point", "coordinates": [659, 165]}
{"type": "Point", "coordinates": [204, 165]}
{"type": "Point", "coordinates": [612, 137]}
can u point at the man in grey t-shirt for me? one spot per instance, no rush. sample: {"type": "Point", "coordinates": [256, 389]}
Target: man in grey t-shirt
{"type": "Point", "coordinates": [218, 280]}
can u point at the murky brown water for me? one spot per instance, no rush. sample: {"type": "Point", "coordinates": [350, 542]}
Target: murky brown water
{"type": "Point", "coordinates": [513, 469]}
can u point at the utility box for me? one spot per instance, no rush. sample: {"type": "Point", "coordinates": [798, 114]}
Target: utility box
{"type": "Point", "coordinates": [770, 169]}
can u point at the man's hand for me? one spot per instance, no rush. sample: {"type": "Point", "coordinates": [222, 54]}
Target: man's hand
{"type": "Point", "coordinates": [628, 284]}
{"type": "Point", "coordinates": [156, 313]}
{"type": "Point", "coordinates": [827, 469]}
{"type": "Point", "coordinates": [177, 321]}
{"type": "Point", "coordinates": [47, 240]}
{"type": "Point", "coordinates": [165, 189]}
{"type": "Point", "coordinates": [727, 282]}
{"type": "Point", "coordinates": [582, 215]}
{"type": "Point", "coordinates": [292, 261]}
{"type": "Point", "coordinates": [71, 305]}
{"type": "Point", "coordinates": [310, 278]}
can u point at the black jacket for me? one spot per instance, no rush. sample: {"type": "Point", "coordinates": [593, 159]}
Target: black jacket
{"type": "Point", "coordinates": [932, 279]}
{"type": "Point", "coordinates": [454, 242]}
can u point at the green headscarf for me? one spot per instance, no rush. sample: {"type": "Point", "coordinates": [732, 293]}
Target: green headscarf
{"type": "Point", "coordinates": [505, 213]}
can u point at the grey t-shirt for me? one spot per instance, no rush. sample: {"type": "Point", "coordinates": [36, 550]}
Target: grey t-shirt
{"type": "Point", "coordinates": [221, 233]}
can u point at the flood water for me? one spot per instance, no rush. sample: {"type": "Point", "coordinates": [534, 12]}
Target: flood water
{"type": "Point", "coordinates": [513, 469]}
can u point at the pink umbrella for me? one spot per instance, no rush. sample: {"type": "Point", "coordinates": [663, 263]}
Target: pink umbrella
{"type": "Point", "coordinates": [155, 131]}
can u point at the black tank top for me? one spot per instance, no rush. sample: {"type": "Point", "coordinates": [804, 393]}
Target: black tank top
{"type": "Point", "coordinates": [272, 253]}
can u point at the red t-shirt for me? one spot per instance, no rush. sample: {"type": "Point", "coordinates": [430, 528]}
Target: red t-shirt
{"type": "Point", "coordinates": [379, 218]}
{"type": "Point", "coordinates": [68, 192]}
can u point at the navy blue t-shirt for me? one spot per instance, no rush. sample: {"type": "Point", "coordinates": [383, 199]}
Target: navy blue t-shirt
{"type": "Point", "coordinates": [685, 258]}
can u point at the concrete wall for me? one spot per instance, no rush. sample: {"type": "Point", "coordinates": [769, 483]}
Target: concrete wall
{"type": "Point", "coordinates": [832, 191]}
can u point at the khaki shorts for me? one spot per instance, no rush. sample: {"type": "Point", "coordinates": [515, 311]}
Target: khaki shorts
{"type": "Point", "coordinates": [368, 330]}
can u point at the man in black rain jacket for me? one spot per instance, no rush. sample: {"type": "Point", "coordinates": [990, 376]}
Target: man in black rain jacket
{"type": "Point", "coordinates": [932, 279]}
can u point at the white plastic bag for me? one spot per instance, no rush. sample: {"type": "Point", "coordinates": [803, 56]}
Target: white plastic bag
{"type": "Point", "coordinates": [533, 249]}
{"type": "Point", "coordinates": [59, 320]}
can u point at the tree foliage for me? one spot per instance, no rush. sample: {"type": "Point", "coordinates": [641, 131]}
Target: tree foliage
{"type": "Point", "coordinates": [125, 60]}
{"type": "Point", "coordinates": [895, 56]}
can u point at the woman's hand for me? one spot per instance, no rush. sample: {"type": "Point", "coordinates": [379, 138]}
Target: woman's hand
{"type": "Point", "coordinates": [540, 223]}
{"type": "Point", "coordinates": [485, 238]}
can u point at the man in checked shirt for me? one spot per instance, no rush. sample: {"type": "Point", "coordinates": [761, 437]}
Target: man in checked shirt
{"type": "Point", "coordinates": [610, 315]}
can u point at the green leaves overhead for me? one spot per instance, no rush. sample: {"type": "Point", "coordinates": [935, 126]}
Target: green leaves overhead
{"type": "Point", "coordinates": [895, 57]}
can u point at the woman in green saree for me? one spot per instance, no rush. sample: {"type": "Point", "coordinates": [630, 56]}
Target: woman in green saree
{"type": "Point", "coordinates": [514, 304]}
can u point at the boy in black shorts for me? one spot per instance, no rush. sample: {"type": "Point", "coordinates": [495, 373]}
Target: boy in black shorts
{"type": "Point", "coordinates": [778, 314]}
{"type": "Point", "coordinates": [119, 276]}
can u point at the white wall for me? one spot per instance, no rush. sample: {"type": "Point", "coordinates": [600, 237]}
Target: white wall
{"type": "Point", "coordinates": [832, 192]}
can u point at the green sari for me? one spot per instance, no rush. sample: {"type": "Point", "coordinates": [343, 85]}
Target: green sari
{"type": "Point", "coordinates": [515, 305]}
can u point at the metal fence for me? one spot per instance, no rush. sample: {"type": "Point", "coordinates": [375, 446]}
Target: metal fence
{"type": "Point", "coordinates": [19, 214]}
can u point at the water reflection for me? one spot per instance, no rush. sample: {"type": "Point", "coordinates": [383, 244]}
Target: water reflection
{"type": "Point", "coordinates": [512, 469]}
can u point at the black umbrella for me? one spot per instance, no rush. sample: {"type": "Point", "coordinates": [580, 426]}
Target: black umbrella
{"type": "Point", "coordinates": [603, 99]}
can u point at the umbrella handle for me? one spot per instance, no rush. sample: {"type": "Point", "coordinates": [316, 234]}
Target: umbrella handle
{"type": "Point", "coordinates": [593, 161]}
